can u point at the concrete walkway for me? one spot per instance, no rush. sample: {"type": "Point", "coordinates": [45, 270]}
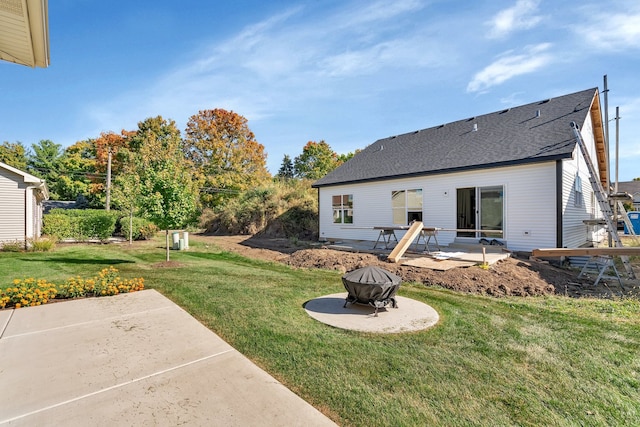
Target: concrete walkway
{"type": "Point", "coordinates": [133, 359]}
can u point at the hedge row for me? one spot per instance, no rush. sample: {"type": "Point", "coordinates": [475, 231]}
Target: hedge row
{"type": "Point", "coordinates": [88, 224]}
{"type": "Point", "coordinates": [80, 224]}
{"type": "Point", "coordinates": [142, 228]}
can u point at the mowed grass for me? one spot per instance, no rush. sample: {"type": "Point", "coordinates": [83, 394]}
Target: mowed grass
{"type": "Point", "coordinates": [494, 362]}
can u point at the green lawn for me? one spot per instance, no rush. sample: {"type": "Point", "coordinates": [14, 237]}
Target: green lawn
{"type": "Point", "coordinates": [510, 361]}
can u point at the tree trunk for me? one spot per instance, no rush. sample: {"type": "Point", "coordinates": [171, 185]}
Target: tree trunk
{"type": "Point", "coordinates": [167, 241]}
{"type": "Point", "coordinates": [131, 227]}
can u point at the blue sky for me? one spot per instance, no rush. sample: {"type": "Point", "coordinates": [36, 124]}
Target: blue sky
{"type": "Point", "coordinates": [348, 72]}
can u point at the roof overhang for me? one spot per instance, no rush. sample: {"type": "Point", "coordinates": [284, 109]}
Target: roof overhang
{"type": "Point", "coordinates": [602, 154]}
{"type": "Point", "coordinates": [27, 178]}
{"type": "Point", "coordinates": [24, 32]}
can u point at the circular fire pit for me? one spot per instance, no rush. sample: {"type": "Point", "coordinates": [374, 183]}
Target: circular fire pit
{"type": "Point", "coordinates": [373, 286]}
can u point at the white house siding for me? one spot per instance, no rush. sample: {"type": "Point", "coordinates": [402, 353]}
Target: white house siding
{"type": "Point", "coordinates": [12, 206]}
{"type": "Point", "coordinates": [529, 203]}
{"type": "Point", "coordinates": [575, 232]}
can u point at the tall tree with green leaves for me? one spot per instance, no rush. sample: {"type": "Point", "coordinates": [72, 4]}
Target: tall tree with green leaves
{"type": "Point", "coordinates": [317, 160]}
{"type": "Point", "coordinates": [167, 193]}
{"type": "Point", "coordinates": [44, 162]}
{"type": "Point", "coordinates": [77, 167]}
{"type": "Point", "coordinates": [14, 154]}
{"type": "Point", "coordinates": [225, 154]}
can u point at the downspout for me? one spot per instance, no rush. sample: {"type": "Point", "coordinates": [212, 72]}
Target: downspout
{"type": "Point", "coordinates": [28, 209]}
{"type": "Point", "coordinates": [318, 195]}
{"type": "Point", "coordinates": [559, 216]}
{"type": "Point", "coordinates": [28, 192]}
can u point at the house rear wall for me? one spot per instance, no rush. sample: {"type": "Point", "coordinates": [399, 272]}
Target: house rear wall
{"type": "Point", "coordinates": [529, 197]}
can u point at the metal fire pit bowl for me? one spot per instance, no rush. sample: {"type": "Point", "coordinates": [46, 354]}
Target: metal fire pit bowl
{"type": "Point", "coordinates": [372, 286]}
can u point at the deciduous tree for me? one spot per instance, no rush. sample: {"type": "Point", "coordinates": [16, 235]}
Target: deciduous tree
{"type": "Point", "coordinates": [14, 154]}
{"type": "Point", "coordinates": [317, 160]}
{"type": "Point", "coordinates": [77, 172]}
{"type": "Point", "coordinates": [167, 193]}
{"type": "Point", "coordinates": [225, 154]}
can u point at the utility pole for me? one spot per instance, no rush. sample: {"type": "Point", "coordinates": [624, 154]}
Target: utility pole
{"type": "Point", "coordinates": [108, 201]}
{"type": "Point", "coordinates": [606, 131]}
{"type": "Point", "coordinates": [606, 145]}
{"type": "Point", "coordinates": [617, 143]}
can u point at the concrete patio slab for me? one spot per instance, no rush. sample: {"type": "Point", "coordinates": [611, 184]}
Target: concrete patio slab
{"type": "Point", "coordinates": [411, 315]}
{"type": "Point", "coordinates": [134, 359]}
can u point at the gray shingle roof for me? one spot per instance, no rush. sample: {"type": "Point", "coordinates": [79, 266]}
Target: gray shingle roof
{"type": "Point", "coordinates": [631, 187]}
{"type": "Point", "coordinates": [535, 132]}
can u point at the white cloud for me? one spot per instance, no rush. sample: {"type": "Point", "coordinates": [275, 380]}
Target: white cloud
{"type": "Point", "coordinates": [379, 11]}
{"type": "Point", "coordinates": [275, 63]}
{"type": "Point", "coordinates": [512, 99]}
{"type": "Point", "coordinates": [415, 52]}
{"type": "Point", "coordinates": [511, 65]}
{"type": "Point", "coordinates": [629, 129]}
{"type": "Point", "coordinates": [612, 31]}
{"type": "Point", "coordinates": [520, 16]}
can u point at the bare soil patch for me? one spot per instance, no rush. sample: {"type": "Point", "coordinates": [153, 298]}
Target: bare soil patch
{"type": "Point", "coordinates": [168, 264]}
{"type": "Point", "coordinates": [513, 276]}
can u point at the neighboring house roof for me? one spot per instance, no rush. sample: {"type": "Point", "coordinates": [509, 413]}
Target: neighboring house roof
{"type": "Point", "coordinates": [530, 133]}
{"type": "Point", "coordinates": [29, 179]}
{"type": "Point", "coordinates": [58, 204]}
{"type": "Point", "coordinates": [631, 187]}
{"type": "Point", "coordinates": [24, 32]}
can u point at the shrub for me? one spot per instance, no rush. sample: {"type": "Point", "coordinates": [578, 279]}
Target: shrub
{"type": "Point", "coordinates": [42, 244]}
{"type": "Point", "coordinates": [80, 224]}
{"type": "Point", "coordinates": [27, 293]}
{"type": "Point", "coordinates": [12, 246]}
{"type": "Point", "coordinates": [31, 292]}
{"type": "Point", "coordinates": [108, 283]}
{"type": "Point", "coordinates": [142, 229]}
{"type": "Point", "coordinates": [277, 209]}
{"type": "Point", "coordinates": [57, 225]}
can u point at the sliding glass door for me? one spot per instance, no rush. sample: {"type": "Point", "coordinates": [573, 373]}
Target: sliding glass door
{"type": "Point", "coordinates": [480, 212]}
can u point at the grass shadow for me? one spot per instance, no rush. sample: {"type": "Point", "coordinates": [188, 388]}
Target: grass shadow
{"type": "Point", "coordinates": [80, 261]}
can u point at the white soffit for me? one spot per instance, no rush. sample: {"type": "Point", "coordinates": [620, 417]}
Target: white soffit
{"type": "Point", "coordinates": [24, 32]}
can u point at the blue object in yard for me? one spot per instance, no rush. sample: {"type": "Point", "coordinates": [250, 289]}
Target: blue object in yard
{"type": "Point", "coordinates": [634, 218]}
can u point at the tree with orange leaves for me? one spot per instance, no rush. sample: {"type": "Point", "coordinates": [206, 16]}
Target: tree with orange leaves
{"type": "Point", "coordinates": [110, 141]}
{"type": "Point", "coordinates": [225, 154]}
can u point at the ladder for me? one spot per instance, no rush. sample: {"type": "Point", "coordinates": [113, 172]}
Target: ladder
{"type": "Point", "coordinates": [625, 218]}
{"type": "Point", "coordinates": [603, 201]}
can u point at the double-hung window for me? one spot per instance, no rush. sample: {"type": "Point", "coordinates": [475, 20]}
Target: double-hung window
{"type": "Point", "coordinates": [342, 209]}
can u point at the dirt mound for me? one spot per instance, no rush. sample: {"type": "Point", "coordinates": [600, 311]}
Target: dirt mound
{"type": "Point", "coordinates": [512, 276]}
{"type": "Point", "coordinates": [508, 277]}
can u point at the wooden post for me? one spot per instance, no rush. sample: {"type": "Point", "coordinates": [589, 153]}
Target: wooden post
{"type": "Point", "coordinates": [405, 242]}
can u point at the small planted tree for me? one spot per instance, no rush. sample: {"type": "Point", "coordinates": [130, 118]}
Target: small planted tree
{"type": "Point", "coordinates": [168, 199]}
{"type": "Point", "coordinates": [167, 194]}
